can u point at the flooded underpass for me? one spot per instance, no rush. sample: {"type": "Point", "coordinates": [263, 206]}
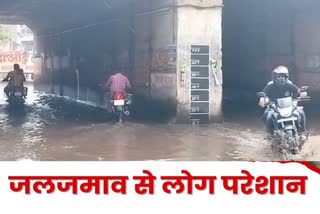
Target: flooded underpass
{"type": "Point", "coordinates": [56, 129]}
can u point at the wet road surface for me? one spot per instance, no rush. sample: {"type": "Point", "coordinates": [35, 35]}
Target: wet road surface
{"type": "Point", "coordinates": [55, 129]}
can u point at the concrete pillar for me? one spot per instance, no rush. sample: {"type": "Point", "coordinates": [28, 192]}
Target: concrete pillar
{"type": "Point", "coordinates": [199, 88]}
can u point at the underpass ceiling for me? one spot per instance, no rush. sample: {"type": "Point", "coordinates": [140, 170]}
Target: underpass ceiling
{"type": "Point", "coordinates": [53, 15]}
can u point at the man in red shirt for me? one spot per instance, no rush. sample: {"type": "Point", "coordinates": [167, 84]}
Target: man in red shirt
{"type": "Point", "coordinates": [117, 82]}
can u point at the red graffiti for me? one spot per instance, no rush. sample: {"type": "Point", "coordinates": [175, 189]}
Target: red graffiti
{"type": "Point", "coordinates": [162, 59]}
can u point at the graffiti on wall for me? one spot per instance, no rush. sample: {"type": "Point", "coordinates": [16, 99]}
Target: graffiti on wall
{"type": "Point", "coordinates": [162, 59]}
{"type": "Point", "coordinates": [24, 59]}
{"type": "Point", "coordinates": [14, 57]}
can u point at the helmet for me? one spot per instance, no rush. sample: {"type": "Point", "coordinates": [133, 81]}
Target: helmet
{"type": "Point", "coordinates": [280, 75]}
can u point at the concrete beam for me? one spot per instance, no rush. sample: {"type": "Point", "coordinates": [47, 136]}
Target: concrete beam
{"type": "Point", "coordinates": [200, 3]}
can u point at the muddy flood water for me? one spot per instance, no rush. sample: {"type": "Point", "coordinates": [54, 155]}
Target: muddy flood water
{"type": "Point", "coordinates": [55, 129]}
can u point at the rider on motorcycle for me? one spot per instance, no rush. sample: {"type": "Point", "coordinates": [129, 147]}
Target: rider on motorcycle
{"type": "Point", "coordinates": [117, 82]}
{"type": "Point", "coordinates": [15, 78]}
{"type": "Point", "coordinates": [281, 87]}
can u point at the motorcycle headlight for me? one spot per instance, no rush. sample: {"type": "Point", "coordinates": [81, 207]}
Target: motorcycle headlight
{"type": "Point", "coordinates": [285, 112]}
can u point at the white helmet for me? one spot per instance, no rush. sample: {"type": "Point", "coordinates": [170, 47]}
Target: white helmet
{"type": "Point", "coordinates": [281, 70]}
{"type": "Point", "coordinates": [280, 75]}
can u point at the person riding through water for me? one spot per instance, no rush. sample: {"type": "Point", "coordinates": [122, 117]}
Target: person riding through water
{"type": "Point", "coordinates": [15, 78]}
{"type": "Point", "coordinates": [281, 87]}
{"type": "Point", "coordinates": [117, 82]}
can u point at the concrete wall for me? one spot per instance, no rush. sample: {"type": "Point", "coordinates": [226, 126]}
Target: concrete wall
{"type": "Point", "coordinates": [61, 56]}
{"type": "Point", "coordinates": [163, 69]}
{"type": "Point", "coordinates": [155, 66]}
{"type": "Point", "coordinates": [199, 23]}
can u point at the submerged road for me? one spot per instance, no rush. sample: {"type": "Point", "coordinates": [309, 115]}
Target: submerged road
{"type": "Point", "coordinates": [55, 129]}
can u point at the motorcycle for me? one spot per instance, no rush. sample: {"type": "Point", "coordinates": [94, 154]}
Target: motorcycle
{"type": "Point", "coordinates": [120, 105]}
{"type": "Point", "coordinates": [285, 138]}
{"type": "Point", "coordinates": [17, 95]}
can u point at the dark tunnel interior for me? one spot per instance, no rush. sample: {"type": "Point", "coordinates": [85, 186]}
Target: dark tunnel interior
{"type": "Point", "coordinates": [261, 35]}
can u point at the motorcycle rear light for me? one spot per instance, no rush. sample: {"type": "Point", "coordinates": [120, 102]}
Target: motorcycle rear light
{"type": "Point", "coordinates": [118, 96]}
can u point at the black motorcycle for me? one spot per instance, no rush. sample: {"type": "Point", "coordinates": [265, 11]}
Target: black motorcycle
{"type": "Point", "coordinates": [17, 95]}
{"type": "Point", "coordinates": [286, 138]}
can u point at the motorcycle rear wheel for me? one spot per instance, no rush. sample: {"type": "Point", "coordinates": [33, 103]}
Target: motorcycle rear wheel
{"type": "Point", "coordinates": [120, 114]}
